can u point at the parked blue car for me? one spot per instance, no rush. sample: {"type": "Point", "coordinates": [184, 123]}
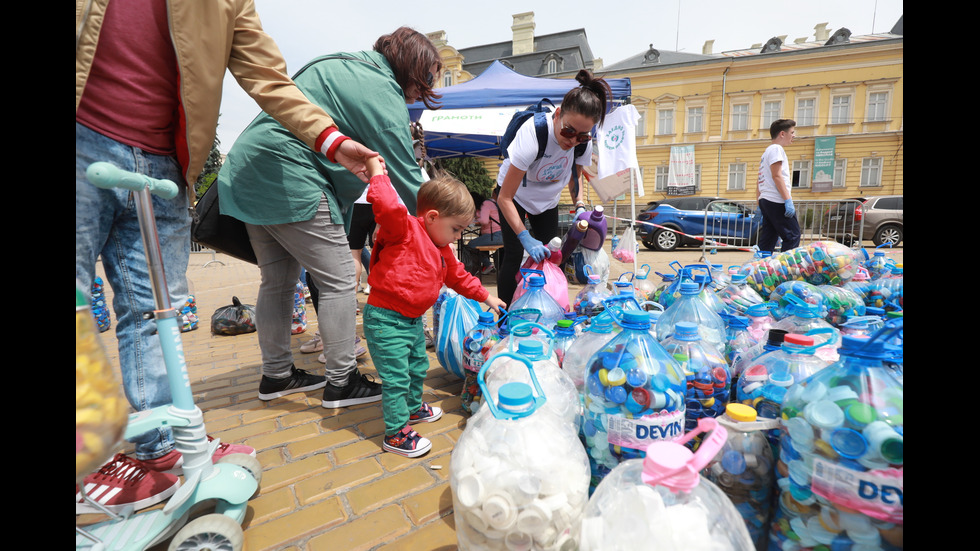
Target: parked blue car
{"type": "Point", "coordinates": [724, 220]}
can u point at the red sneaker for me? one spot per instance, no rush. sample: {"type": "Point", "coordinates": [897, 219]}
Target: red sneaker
{"type": "Point", "coordinates": [173, 462]}
{"type": "Point", "coordinates": [124, 481]}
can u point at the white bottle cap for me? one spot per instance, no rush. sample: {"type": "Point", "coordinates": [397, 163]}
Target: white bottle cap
{"type": "Point", "coordinates": [535, 517]}
{"type": "Point", "coordinates": [469, 488]}
{"type": "Point", "coordinates": [518, 541]}
{"type": "Point", "coordinates": [500, 511]}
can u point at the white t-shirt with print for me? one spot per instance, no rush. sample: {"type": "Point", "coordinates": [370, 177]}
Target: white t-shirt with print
{"type": "Point", "coordinates": [547, 176]}
{"type": "Point", "coordinates": [767, 186]}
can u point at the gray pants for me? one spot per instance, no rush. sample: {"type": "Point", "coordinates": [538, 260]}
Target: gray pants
{"type": "Point", "coordinates": [321, 247]}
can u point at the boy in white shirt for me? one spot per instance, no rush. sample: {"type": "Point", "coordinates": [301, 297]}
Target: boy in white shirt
{"type": "Point", "coordinates": [773, 191]}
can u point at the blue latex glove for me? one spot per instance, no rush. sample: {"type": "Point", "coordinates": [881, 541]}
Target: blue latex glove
{"type": "Point", "coordinates": [790, 209]}
{"type": "Point", "coordinates": [535, 248]}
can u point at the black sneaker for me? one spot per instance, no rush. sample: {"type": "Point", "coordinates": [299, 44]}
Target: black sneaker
{"type": "Point", "coordinates": [299, 380]}
{"type": "Point", "coordinates": [359, 390]}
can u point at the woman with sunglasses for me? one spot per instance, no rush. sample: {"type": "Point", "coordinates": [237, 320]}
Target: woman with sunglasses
{"type": "Point", "coordinates": [295, 204]}
{"type": "Point", "coordinates": [530, 188]}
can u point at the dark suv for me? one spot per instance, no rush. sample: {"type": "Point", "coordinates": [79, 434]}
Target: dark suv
{"type": "Point", "coordinates": [717, 218]}
{"type": "Point", "coordinates": [880, 216]}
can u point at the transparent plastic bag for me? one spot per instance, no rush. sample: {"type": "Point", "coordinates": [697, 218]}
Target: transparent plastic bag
{"type": "Point", "coordinates": [625, 251]}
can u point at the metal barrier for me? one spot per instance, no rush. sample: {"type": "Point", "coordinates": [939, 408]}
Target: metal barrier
{"type": "Point", "coordinates": [734, 225]}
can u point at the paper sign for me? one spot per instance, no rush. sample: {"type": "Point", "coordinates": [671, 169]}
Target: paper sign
{"type": "Point", "coordinates": [612, 186]}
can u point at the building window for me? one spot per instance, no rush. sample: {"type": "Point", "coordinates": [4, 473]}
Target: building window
{"type": "Point", "coordinates": [695, 119]}
{"type": "Point", "coordinates": [840, 173]}
{"type": "Point", "coordinates": [447, 78]}
{"type": "Point", "coordinates": [662, 172]}
{"type": "Point", "coordinates": [877, 106]}
{"type": "Point", "coordinates": [665, 121]}
{"type": "Point", "coordinates": [770, 113]}
{"type": "Point", "coordinates": [641, 123]}
{"type": "Point", "coordinates": [552, 66]}
{"type": "Point", "coordinates": [740, 116]}
{"type": "Point", "coordinates": [736, 177]}
{"type": "Point", "coordinates": [806, 112]}
{"type": "Point", "coordinates": [840, 109]}
{"type": "Point", "coordinates": [871, 172]}
{"type": "Point", "coordinates": [801, 174]}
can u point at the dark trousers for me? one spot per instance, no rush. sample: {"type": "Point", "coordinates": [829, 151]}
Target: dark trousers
{"type": "Point", "coordinates": [544, 227]}
{"type": "Point", "coordinates": [776, 225]}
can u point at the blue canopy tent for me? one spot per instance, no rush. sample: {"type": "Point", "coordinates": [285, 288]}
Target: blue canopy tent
{"type": "Point", "coordinates": [475, 114]}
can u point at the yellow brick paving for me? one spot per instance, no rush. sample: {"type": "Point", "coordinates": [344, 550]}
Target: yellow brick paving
{"type": "Point", "coordinates": [326, 484]}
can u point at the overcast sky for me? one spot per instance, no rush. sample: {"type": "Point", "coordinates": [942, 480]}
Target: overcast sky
{"type": "Point", "coordinates": [305, 29]}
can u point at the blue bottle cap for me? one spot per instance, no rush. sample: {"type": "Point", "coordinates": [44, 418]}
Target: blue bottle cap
{"type": "Point", "coordinates": [733, 462]}
{"type": "Point", "coordinates": [616, 394]}
{"type": "Point", "coordinates": [686, 331]}
{"type": "Point", "coordinates": [689, 288]}
{"type": "Point", "coordinates": [639, 318]}
{"type": "Point", "coordinates": [535, 281]}
{"type": "Point", "coordinates": [848, 443]}
{"type": "Point", "coordinates": [531, 348]}
{"type": "Point", "coordinates": [486, 317]}
{"type": "Point", "coordinates": [515, 397]}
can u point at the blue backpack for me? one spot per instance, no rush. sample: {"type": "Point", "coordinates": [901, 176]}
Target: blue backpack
{"type": "Point", "coordinates": [540, 113]}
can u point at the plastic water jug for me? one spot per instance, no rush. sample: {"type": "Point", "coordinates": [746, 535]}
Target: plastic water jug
{"type": "Point", "coordinates": [642, 286]}
{"type": "Point", "coordinates": [805, 294]}
{"type": "Point", "coordinates": [738, 340]}
{"type": "Point", "coordinates": [707, 375]}
{"type": "Point", "coordinates": [764, 384]}
{"type": "Point", "coordinates": [519, 476]}
{"type": "Point", "coordinates": [689, 307]}
{"type": "Point", "coordinates": [563, 398]}
{"type": "Point", "coordinates": [760, 320]}
{"type": "Point", "coordinates": [535, 297]}
{"type": "Point", "coordinates": [595, 236]}
{"type": "Point", "coordinates": [720, 278]}
{"type": "Point", "coordinates": [665, 282]}
{"type": "Point", "coordinates": [738, 296]}
{"type": "Point", "coordinates": [879, 265]}
{"type": "Point", "coordinates": [841, 304]}
{"type": "Point", "coordinates": [840, 471]}
{"type": "Point", "coordinates": [588, 301]}
{"type": "Point", "coordinates": [744, 469]}
{"type": "Point", "coordinates": [476, 349]}
{"type": "Point", "coordinates": [662, 502]}
{"type": "Point", "coordinates": [708, 296]}
{"type": "Point", "coordinates": [634, 395]}
{"type": "Point", "coordinates": [803, 319]}
{"type": "Point", "coordinates": [772, 342]}
{"type": "Point", "coordinates": [819, 263]}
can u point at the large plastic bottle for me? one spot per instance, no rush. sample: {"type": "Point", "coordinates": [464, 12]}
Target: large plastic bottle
{"type": "Point", "coordinates": [476, 349]}
{"type": "Point", "coordinates": [772, 341]}
{"type": "Point", "coordinates": [801, 293]}
{"type": "Point", "coordinates": [738, 339]}
{"type": "Point", "coordinates": [596, 234]}
{"type": "Point", "coordinates": [760, 320]}
{"type": "Point", "coordinates": [841, 467]}
{"type": "Point", "coordinates": [665, 282]}
{"type": "Point", "coordinates": [642, 286]}
{"type": "Point", "coordinates": [564, 337]}
{"type": "Point", "coordinates": [803, 319]}
{"type": "Point", "coordinates": [708, 296]}
{"type": "Point", "coordinates": [706, 372]}
{"type": "Point", "coordinates": [662, 502]}
{"type": "Point", "coordinates": [101, 409]}
{"type": "Point", "coordinates": [720, 278]}
{"type": "Point", "coordinates": [842, 304]}
{"type": "Point", "coordinates": [879, 265]}
{"type": "Point", "coordinates": [689, 307]}
{"type": "Point", "coordinates": [519, 476]}
{"type": "Point", "coordinates": [745, 470]}
{"type": "Point", "coordinates": [765, 382]}
{"type": "Point", "coordinates": [588, 301]}
{"type": "Point", "coordinates": [535, 297]}
{"type": "Point", "coordinates": [819, 263]}
{"type": "Point", "coordinates": [634, 395]}
{"type": "Point", "coordinates": [738, 296]}
{"type": "Point", "coordinates": [563, 398]}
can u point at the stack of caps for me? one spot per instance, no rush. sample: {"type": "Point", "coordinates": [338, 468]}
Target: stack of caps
{"type": "Point", "coordinates": [299, 310]}
{"type": "Point", "coordinates": [99, 309]}
{"type": "Point", "coordinates": [188, 315]}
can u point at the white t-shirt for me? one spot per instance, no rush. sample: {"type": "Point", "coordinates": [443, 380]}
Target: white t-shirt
{"type": "Point", "coordinates": [774, 153]}
{"type": "Point", "coordinates": [545, 177]}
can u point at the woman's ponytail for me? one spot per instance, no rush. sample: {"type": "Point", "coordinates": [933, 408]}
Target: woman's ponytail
{"type": "Point", "coordinates": [591, 98]}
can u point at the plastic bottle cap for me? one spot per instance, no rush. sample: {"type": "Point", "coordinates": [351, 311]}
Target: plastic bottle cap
{"type": "Point", "coordinates": [860, 415]}
{"type": "Point", "coordinates": [515, 397]}
{"type": "Point", "coordinates": [469, 488]}
{"type": "Point", "coordinates": [733, 462]}
{"type": "Point", "coordinates": [824, 414]}
{"type": "Point", "coordinates": [741, 412]}
{"type": "Point", "coordinates": [781, 379]}
{"type": "Point", "coordinates": [565, 323]}
{"type": "Point", "coordinates": [534, 518]}
{"type": "Point", "coordinates": [500, 511]}
{"type": "Point", "coordinates": [616, 376]}
{"type": "Point", "coordinates": [486, 317]}
{"type": "Point", "coordinates": [531, 348]}
{"type": "Point", "coordinates": [848, 443]}
{"type": "Point", "coordinates": [802, 340]}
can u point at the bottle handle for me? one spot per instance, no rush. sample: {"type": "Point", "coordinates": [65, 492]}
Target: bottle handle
{"type": "Point", "coordinates": [481, 379]}
{"type": "Point", "coordinates": [707, 450]}
{"type": "Point", "coordinates": [526, 271]}
{"type": "Point", "coordinates": [616, 310]}
{"type": "Point", "coordinates": [529, 326]}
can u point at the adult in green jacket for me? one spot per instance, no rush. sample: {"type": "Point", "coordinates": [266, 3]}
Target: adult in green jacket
{"type": "Point", "coordinates": [294, 203]}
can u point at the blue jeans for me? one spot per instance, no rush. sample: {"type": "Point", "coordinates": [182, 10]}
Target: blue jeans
{"type": "Point", "coordinates": [106, 224]}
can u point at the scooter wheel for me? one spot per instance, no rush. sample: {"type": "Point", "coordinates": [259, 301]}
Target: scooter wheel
{"type": "Point", "coordinates": [246, 462]}
{"type": "Point", "coordinates": [214, 532]}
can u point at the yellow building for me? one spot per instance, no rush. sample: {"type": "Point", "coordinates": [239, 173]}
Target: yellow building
{"type": "Point", "coordinates": [848, 88]}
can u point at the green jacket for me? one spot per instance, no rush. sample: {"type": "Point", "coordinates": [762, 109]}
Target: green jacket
{"type": "Point", "coordinates": [271, 177]}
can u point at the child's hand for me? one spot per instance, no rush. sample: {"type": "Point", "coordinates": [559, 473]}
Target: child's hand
{"type": "Point", "coordinates": [375, 166]}
{"type": "Point", "coordinates": [495, 303]}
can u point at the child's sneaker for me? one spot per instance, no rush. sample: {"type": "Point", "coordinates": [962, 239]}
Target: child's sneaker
{"type": "Point", "coordinates": [312, 346]}
{"type": "Point", "coordinates": [407, 442]}
{"type": "Point", "coordinates": [425, 414]}
{"type": "Point", "coordinates": [173, 462]}
{"type": "Point", "coordinates": [124, 481]}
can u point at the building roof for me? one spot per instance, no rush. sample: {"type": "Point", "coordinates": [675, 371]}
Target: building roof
{"type": "Point", "coordinates": [571, 48]}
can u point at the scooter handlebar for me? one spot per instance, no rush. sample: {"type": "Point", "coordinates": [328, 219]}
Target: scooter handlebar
{"type": "Point", "coordinates": [104, 175]}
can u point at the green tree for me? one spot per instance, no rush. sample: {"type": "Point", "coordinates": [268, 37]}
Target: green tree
{"type": "Point", "coordinates": [471, 172]}
{"type": "Point", "coordinates": [211, 167]}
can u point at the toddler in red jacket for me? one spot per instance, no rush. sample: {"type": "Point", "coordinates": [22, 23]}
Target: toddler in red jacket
{"type": "Point", "coordinates": [410, 261]}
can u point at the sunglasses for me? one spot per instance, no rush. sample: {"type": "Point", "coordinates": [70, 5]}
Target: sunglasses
{"type": "Point", "coordinates": [570, 133]}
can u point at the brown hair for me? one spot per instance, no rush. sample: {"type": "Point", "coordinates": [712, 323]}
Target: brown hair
{"type": "Point", "coordinates": [447, 195]}
{"type": "Point", "coordinates": [590, 99]}
{"type": "Point", "coordinates": [781, 125]}
{"type": "Point", "coordinates": [411, 54]}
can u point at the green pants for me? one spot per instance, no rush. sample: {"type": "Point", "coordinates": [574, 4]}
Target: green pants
{"type": "Point", "coordinates": [397, 346]}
